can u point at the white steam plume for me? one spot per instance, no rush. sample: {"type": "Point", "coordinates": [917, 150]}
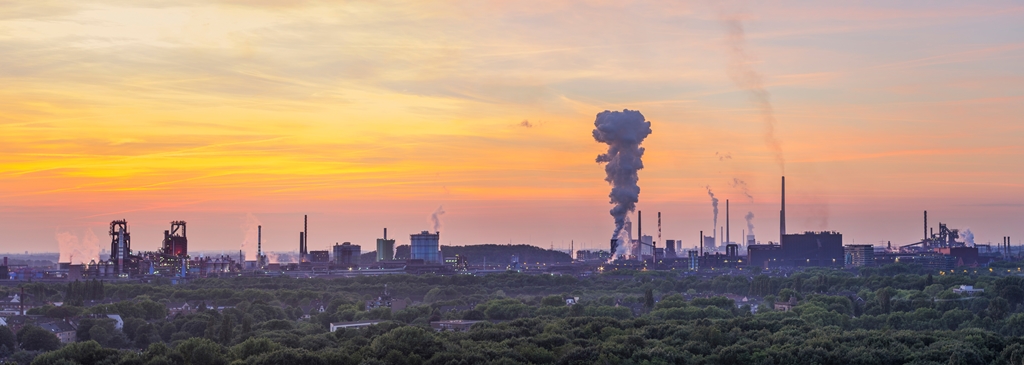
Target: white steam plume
{"type": "Point", "coordinates": [78, 251]}
{"type": "Point", "coordinates": [623, 132]}
{"type": "Point", "coordinates": [435, 218]}
{"type": "Point", "coordinates": [714, 204]}
{"type": "Point", "coordinates": [750, 223]}
{"type": "Point", "coordinates": [749, 79]}
{"type": "Point", "coordinates": [968, 237]}
{"type": "Point", "coordinates": [250, 226]}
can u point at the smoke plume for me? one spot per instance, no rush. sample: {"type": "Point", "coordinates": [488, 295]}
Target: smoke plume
{"type": "Point", "coordinates": [714, 204]}
{"type": "Point", "coordinates": [78, 251]}
{"type": "Point", "coordinates": [250, 226]}
{"type": "Point", "coordinates": [968, 237]}
{"type": "Point", "coordinates": [749, 79]}
{"type": "Point", "coordinates": [623, 132]}
{"type": "Point", "coordinates": [750, 223]}
{"type": "Point", "coordinates": [435, 218]}
{"type": "Point", "coordinates": [742, 185]}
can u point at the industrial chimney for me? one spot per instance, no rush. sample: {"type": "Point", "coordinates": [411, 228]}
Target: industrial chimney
{"type": "Point", "coordinates": [782, 213]}
{"type": "Point", "coordinates": [727, 231]}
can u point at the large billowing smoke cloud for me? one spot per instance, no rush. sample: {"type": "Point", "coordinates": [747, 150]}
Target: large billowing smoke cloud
{"type": "Point", "coordinates": [623, 132]}
{"type": "Point", "coordinates": [250, 228]}
{"type": "Point", "coordinates": [435, 218]}
{"type": "Point", "coordinates": [750, 223]}
{"type": "Point", "coordinates": [750, 80]}
{"type": "Point", "coordinates": [714, 204]}
{"type": "Point", "coordinates": [78, 250]}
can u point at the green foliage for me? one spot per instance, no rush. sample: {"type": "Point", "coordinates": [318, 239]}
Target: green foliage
{"type": "Point", "coordinates": [893, 314]}
{"type": "Point", "coordinates": [34, 338]}
{"type": "Point", "coordinates": [7, 338]}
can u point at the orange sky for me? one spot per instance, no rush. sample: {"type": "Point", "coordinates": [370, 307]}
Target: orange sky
{"type": "Point", "coordinates": [371, 115]}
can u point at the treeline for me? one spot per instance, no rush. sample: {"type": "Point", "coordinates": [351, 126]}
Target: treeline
{"type": "Point", "coordinates": [897, 314]}
{"type": "Point", "coordinates": [492, 254]}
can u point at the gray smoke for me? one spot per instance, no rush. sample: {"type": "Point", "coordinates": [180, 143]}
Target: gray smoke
{"type": "Point", "coordinates": [435, 218]}
{"type": "Point", "coordinates": [623, 132]}
{"type": "Point", "coordinates": [750, 80]}
{"type": "Point", "coordinates": [714, 204]}
{"type": "Point", "coordinates": [750, 223]}
{"type": "Point", "coordinates": [742, 185]}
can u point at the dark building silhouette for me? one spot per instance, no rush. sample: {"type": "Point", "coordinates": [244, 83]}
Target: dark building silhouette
{"type": "Point", "coordinates": [805, 249]}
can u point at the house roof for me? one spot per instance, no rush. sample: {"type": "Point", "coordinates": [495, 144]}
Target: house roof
{"type": "Point", "coordinates": [57, 327]}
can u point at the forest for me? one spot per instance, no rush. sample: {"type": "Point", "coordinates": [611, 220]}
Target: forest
{"type": "Point", "coordinates": [895, 314]}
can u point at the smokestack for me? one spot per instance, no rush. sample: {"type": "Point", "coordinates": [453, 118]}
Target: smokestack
{"type": "Point", "coordinates": [702, 243]}
{"type": "Point", "coordinates": [305, 230]}
{"type": "Point", "coordinates": [639, 225]}
{"type": "Point", "coordinates": [385, 233]}
{"type": "Point", "coordinates": [727, 231]}
{"type": "Point", "coordinates": [302, 246]}
{"type": "Point", "coordinates": [259, 242]}
{"type": "Point", "coordinates": [926, 224]}
{"type": "Point", "coordinates": [782, 213]}
{"type": "Point", "coordinates": [659, 233]}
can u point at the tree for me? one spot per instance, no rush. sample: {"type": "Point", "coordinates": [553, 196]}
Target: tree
{"type": "Point", "coordinates": [7, 338]}
{"type": "Point", "coordinates": [226, 328]}
{"type": "Point", "coordinates": [201, 351]}
{"type": "Point", "coordinates": [552, 301]}
{"type": "Point", "coordinates": [649, 299]}
{"type": "Point", "coordinates": [33, 338]}
{"type": "Point", "coordinates": [884, 297]}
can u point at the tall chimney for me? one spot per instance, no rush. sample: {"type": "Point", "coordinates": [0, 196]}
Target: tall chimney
{"type": "Point", "coordinates": [782, 213]}
{"type": "Point", "coordinates": [639, 226]}
{"type": "Point", "coordinates": [702, 243]}
{"type": "Point", "coordinates": [926, 224]}
{"type": "Point", "coordinates": [305, 229]}
{"type": "Point", "coordinates": [302, 246]}
{"type": "Point", "coordinates": [727, 240]}
{"type": "Point", "coordinates": [259, 242]}
{"type": "Point", "coordinates": [385, 233]}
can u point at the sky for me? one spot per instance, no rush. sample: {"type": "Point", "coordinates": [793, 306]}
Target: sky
{"type": "Point", "coordinates": [366, 115]}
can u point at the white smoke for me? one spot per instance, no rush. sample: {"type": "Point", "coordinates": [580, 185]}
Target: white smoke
{"type": "Point", "coordinates": [714, 204]}
{"type": "Point", "coordinates": [78, 250]}
{"type": "Point", "coordinates": [968, 237]}
{"type": "Point", "coordinates": [750, 223]}
{"type": "Point", "coordinates": [250, 232]}
{"type": "Point", "coordinates": [623, 132]}
{"type": "Point", "coordinates": [435, 218]}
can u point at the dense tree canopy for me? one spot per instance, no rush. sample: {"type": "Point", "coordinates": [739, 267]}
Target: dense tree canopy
{"type": "Point", "coordinates": [897, 314]}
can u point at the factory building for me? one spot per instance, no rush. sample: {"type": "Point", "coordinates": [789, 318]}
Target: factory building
{"type": "Point", "coordinates": [175, 240]}
{"type": "Point", "coordinates": [806, 249]}
{"type": "Point", "coordinates": [859, 255]}
{"type": "Point", "coordinates": [385, 248]}
{"type": "Point", "coordinates": [424, 246]}
{"type": "Point", "coordinates": [670, 249]}
{"type": "Point", "coordinates": [319, 256]}
{"type": "Point", "coordinates": [347, 254]}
